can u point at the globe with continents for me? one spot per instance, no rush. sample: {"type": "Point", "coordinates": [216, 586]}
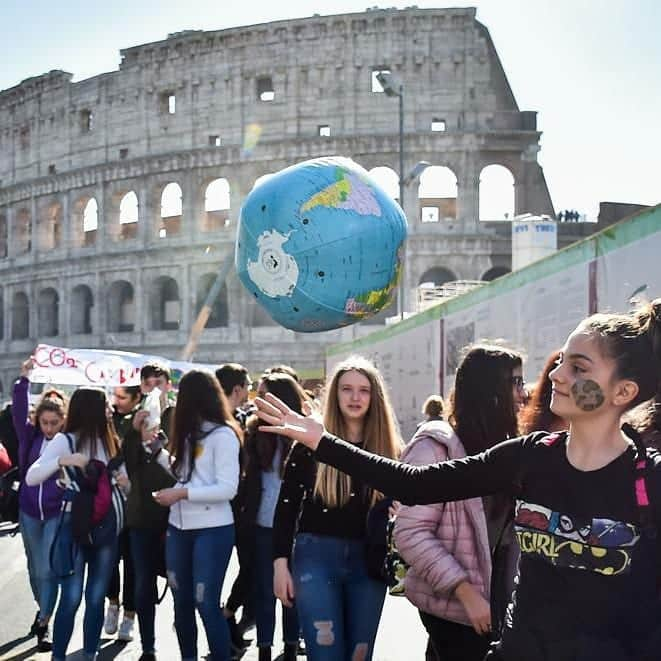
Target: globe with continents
{"type": "Point", "coordinates": [319, 245]}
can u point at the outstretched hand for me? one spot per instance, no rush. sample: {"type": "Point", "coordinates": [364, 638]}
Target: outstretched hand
{"type": "Point", "coordinates": [280, 419]}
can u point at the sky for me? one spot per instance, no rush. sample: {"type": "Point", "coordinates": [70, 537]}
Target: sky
{"type": "Point", "coordinates": [590, 68]}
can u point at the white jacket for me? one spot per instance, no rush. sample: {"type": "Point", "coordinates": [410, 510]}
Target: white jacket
{"type": "Point", "coordinates": [57, 447]}
{"type": "Point", "coordinates": [213, 482]}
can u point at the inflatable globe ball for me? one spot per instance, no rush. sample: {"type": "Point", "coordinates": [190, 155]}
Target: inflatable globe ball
{"type": "Point", "coordinates": [319, 245]}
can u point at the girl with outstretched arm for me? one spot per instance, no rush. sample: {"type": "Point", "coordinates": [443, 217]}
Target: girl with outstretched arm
{"type": "Point", "coordinates": [588, 501]}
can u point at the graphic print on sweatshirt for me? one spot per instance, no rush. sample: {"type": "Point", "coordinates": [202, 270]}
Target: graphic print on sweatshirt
{"type": "Point", "coordinates": [599, 545]}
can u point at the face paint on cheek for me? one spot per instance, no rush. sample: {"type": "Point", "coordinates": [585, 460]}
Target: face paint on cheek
{"type": "Point", "coordinates": [587, 394]}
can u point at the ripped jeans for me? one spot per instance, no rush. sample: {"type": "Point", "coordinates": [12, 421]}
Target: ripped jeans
{"type": "Point", "coordinates": [339, 605]}
{"type": "Point", "coordinates": [196, 562]}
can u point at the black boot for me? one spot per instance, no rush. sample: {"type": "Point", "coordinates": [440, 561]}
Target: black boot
{"type": "Point", "coordinates": [264, 654]}
{"type": "Point", "coordinates": [44, 640]}
{"type": "Point", "coordinates": [239, 643]}
{"type": "Point", "coordinates": [247, 620]}
{"type": "Point", "coordinates": [290, 652]}
{"type": "Point", "coordinates": [35, 625]}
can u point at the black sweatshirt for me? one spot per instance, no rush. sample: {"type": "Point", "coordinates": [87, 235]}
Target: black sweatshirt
{"type": "Point", "coordinates": [299, 511]}
{"type": "Point", "coordinates": [588, 573]}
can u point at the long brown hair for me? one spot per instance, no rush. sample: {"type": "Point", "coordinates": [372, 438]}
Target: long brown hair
{"type": "Point", "coordinates": [87, 418]}
{"type": "Point", "coordinates": [481, 404]}
{"type": "Point", "coordinates": [380, 432]}
{"type": "Point", "coordinates": [261, 446]}
{"type": "Point", "coordinates": [536, 415]}
{"type": "Point", "coordinates": [200, 399]}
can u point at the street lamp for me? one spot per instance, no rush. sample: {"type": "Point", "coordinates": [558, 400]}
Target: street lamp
{"type": "Point", "coordinates": [393, 87]}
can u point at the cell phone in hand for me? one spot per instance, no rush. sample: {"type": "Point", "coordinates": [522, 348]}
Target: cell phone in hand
{"type": "Point", "coordinates": [156, 445]}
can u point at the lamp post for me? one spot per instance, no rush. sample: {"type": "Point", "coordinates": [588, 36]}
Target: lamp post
{"type": "Point", "coordinates": [392, 87]}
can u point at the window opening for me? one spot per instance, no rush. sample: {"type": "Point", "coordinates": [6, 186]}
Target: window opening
{"type": "Point", "coordinates": [377, 87]}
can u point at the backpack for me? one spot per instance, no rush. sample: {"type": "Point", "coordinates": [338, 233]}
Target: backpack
{"type": "Point", "coordinates": [96, 507]}
{"type": "Point", "coordinates": [9, 483]}
{"type": "Point", "coordinates": [5, 460]}
{"type": "Point", "coordinates": [394, 566]}
{"type": "Point", "coordinates": [384, 562]}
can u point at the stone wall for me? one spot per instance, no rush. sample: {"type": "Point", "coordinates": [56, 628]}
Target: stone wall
{"type": "Point", "coordinates": [177, 111]}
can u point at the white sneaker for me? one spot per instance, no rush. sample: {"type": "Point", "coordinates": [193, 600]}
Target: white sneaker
{"type": "Point", "coordinates": [112, 617]}
{"type": "Point", "coordinates": [126, 629]}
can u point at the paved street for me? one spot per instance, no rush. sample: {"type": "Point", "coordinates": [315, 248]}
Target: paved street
{"type": "Point", "coordinates": [401, 636]}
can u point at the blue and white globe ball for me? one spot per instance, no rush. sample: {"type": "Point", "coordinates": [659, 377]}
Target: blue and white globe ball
{"type": "Point", "coordinates": [319, 245]}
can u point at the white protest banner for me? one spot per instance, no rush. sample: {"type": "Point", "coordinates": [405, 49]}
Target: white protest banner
{"type": "Point", "coordinates": [98, 367]}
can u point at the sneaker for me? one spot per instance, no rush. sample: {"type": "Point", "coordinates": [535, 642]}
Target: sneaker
{"type": "Point", "coordinates": [126, 629]}
{"type": "Point", "coordinates": [147, 656]}
{"type": "Point", "coordinates": [112, 618]}
{"type": "Point", "coordinates": [44, 639]}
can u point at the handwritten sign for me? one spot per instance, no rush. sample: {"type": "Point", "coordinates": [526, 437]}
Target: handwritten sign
{"type": "Point", "coordinates": [96, 367]}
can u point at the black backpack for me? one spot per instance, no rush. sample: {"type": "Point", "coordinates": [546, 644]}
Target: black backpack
{"type": "Point", "coordinates": [9, 483]}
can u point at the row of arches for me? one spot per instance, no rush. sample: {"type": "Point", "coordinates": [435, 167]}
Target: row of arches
{"type": "Point", "coordinates": [164, 313]}
{"type": "Point", "coordinates": [438, 192]}
{"type": "Point", "coordinates": [124, 206]}
{"type": "Point", "coordinates": [437, 198]}
{"type": "Point", "coordinates": [164, 306]}
{"type": "Point", "coordinates": [439, 275]}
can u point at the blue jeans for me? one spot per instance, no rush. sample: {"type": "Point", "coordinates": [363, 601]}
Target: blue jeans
{"type": "Point", "coordinates": [37, 538]}
{"type": "Point", "coordinates": [339, 605]}
{"type": "Point", "coordinates": [264, 597]}
{"type": "Point", "coordinates": [196, 561]}
{"type": "Point", "coordinates": [145, 544]}
{"type": "Point", "coordinates": [100, 563]}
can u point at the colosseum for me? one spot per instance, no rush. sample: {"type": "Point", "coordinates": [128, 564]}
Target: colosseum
{"type": "Point", "coordinates": [120, 194]}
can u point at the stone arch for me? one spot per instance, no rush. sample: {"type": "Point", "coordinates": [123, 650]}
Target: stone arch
{"type": "Point", "coordinates": [438, 275]}
{"type": "Point", "coordinates": [85, 219]}
{"type": "Point", "coordinates": [219, 310]}
{"type": "Point", "coordinates": [82, 303]}
{"type": "Point", "coordinates": [496, 198]}
{"type": "Point", "coordinates": [437, 194]}
{"type": "Point", "coordinates": [217, 204]}
{"type": "Point", "coordinates": [165, 305]}
{"type": "Point", "coordinates": [4, 237]}
{"type": "Point", "coordinates": [129, 215]}
{"type": "Point", "coordinates": [20, 316]}
{"type": "Point", "coordinates": [387, 179]}
{"type": "Point", "coordinates": [48, 305]}
{"type": "Point", "coordinates": [121, 307]}
{"type": "Point", "coordinates": [23, 231]}
{"type": "Point", "coordinates": [494, 272]}
{"type": "Point", "coordinates": [50, 226]}
{"type": "Point", "coordinates": [171, 210]}
{"type": "Point", "coordinates": [258, 316]}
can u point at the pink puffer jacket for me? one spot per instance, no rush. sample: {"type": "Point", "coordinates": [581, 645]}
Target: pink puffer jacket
{"type": "Point", "coordinates": [444, 544]}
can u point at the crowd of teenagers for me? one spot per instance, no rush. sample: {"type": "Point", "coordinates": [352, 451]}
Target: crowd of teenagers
{"type": "Point", "coordinates": [524, 521]}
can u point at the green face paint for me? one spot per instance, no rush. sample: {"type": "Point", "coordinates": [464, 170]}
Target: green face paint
{"type": "Point", "coordinates": [587, 394]}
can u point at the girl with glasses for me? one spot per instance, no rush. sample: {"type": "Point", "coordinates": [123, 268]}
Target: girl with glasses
{"type": "Point", "coordinates": [462, 555]}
